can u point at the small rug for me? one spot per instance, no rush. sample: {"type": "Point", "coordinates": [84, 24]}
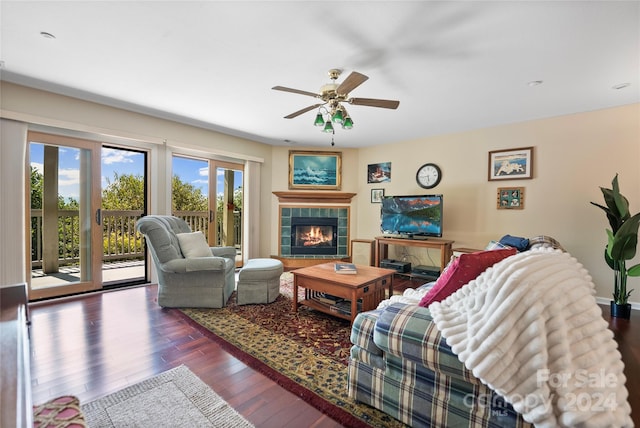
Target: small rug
{"type": "Point", "coordinates": [175, 398]}
{"type": "Point", "coordinates": [306, 352]}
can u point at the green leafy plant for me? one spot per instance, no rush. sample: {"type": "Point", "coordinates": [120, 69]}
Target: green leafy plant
{"type": "Point", "coordinates": [622, 239]}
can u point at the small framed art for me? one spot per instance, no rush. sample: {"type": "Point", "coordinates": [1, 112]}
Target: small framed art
{"type": "Point", "coordinates": [512, 164]}
{"type": "Point", "coordinates": [315, 170]}
{"type": "Point", "coordinates": [379, 172]}
{"type": "Point", "coordinates": [377, 195]}
{"type": "Point", "coordinates": [510, 198]}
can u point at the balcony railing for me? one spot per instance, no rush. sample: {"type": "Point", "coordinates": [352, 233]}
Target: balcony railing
{"type": "Point", "coordinates": [120, 241]}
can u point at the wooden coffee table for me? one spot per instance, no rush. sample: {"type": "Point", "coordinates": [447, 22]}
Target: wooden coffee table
{"type": "Point", "coordinates": [365, 290]}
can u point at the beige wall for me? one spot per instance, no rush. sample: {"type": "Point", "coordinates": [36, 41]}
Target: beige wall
{"type": "Point", "coordinates": [573, 156]}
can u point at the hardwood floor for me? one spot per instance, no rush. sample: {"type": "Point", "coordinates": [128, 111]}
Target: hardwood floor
{"type": "Point", "coordinates": [626, 334]}
{"type": "Point", "coordinates": [93, 345]}
{"type": "Point", "coordinates": [96, 344]}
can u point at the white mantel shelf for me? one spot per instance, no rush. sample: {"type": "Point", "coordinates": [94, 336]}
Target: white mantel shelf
{"type": "Point", "coordinates": [314, 197]}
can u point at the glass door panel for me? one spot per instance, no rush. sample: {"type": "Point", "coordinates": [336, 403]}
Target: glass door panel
{"type": "Point", "coordinates": [189, 194]}
{"type": "Point", "coordinates": [65, 237]}
{"type": "Point", "coordinates": [124, 191]}
{"type": "Point", "coordinates": [209, 202]}
{"type": "Point", "coordinates": [229, 202]}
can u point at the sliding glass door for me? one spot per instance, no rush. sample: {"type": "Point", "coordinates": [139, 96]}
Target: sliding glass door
{"type": "Point", "coordinates": [210, 202]}
{"type": "Point", "coordinates": [85, 199]}
{"type": "Point", "coordinates": [65, 231]}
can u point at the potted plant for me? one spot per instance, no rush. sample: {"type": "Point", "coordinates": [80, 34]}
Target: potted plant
{"type": "Point", "coordinates": [621, 246]}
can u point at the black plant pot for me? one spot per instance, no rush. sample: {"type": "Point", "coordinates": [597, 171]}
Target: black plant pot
{"type": "Point", "coordinates": [621, 311]}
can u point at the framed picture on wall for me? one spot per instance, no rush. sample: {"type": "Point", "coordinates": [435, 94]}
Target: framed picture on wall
{"type": "Point", "coordinates": [510, 198]}
{"type": "Point", "coordinates": [315, 170]}
{"type": "Point", "coordinates": [512, 164]}
{"type": "Point", "coordinates": [379, 172]}
{"type": "Point", "coordinates": [377, 195]}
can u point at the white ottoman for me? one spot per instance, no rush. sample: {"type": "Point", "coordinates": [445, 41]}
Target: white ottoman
{"type": "Point", "coordinates": [259, 281]}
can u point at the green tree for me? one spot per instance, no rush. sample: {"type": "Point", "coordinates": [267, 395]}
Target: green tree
{"type": "Point", "coordinates": [36, 189]}
{"type": "Point", "coordinates": [67, 226]}
{"type": "Point", "coordinates": [187, 197]}
{"type": "Point", "coordinates": [124, 192]}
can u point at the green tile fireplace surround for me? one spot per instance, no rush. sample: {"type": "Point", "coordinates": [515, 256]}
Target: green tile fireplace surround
{"type": "Point", "coordinates": [309, 205]}
{"type": "Point", "coordinates": [287, 213]}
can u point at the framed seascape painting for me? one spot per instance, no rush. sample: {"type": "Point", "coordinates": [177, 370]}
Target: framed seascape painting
{"type": "Point", "coordinates": [512, 164]}
{"type": "Point", "coordinates": [510, 198]}
{"type": "Point", "coordinates": [315, 170]}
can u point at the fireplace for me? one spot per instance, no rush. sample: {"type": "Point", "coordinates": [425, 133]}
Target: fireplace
{"type": "Point", "coordinates": [314, 235]}
{"type": "Point", "coordinates": [325, 230]}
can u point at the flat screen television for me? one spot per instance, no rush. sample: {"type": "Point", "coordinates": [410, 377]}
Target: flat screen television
{"type": "Point", "coordinates": [412, 215]}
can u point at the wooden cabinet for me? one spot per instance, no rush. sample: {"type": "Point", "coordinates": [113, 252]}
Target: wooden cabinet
{"type": "Point", "coordinates": [15, 370]}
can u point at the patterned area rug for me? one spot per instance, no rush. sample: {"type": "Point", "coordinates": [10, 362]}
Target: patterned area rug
{"type": "Point", "coordinates": [175, 398]}
{"type": "Point", "coordinates": [306, 352]}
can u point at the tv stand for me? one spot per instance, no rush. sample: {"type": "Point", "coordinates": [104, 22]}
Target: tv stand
{"type": "Point", "coordinates": [383, 242]}
{"type": "Point", "coordinates": [405, 236]}
{"type": "Point", "coordinates": [418, 237]}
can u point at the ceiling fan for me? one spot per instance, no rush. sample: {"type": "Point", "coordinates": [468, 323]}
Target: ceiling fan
{"type": "Point", "coordinates": [332, 96]}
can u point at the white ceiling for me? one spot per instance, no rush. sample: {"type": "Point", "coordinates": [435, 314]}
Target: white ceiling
{"type": "Point", "coordinates": [453, 65]}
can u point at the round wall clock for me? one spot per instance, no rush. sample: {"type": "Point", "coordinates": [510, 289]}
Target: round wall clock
{"type": "Point", "coordinates": [428, 175]}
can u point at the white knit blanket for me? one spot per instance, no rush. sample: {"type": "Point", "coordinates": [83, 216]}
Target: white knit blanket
{"type": "Point", "coordinates": [530, 328]}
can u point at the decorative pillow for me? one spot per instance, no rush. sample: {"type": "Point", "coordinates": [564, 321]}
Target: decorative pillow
{"type": "Point", "coordinates": [461, 271]}
{"type": "Point", "coordinates": [193, 244]}
{"type": "Point", "coordinates": [61, 412]}
{"type": "Point", "coordinates": [495, 245]}
{"type": "Point", "coordinates": [521, 244]}
{"type": "Point", "coordinates": [543, 241]}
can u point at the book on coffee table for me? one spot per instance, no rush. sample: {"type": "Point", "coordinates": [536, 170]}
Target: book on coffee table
{"type": "Point", "coordinates": [346, 268]}
{"type": "Point", "coordinates": [328, 298]}
{"type": "Point", "coordinates": [344, 307]}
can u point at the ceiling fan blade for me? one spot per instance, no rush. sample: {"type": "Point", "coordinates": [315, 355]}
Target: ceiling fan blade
{"type": "Point", "coordinates": [296, 91]}
{"type": "Point", "coordinates": [304, 110]}
{"type": "Point", "coordinates": [354, 80]}
{"type": "Point", "coordinates": [373, 102]}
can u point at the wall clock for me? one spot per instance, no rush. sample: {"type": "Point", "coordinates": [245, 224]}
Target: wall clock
{"type": "Point", "coordinates": [428, 176]}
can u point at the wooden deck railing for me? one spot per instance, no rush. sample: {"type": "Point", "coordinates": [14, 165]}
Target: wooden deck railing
{"type": "Point", "coordinates": [119, 237]}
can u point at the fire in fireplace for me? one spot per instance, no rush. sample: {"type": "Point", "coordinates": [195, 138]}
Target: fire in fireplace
{"type": "Point", "coordinates": [314, 235]}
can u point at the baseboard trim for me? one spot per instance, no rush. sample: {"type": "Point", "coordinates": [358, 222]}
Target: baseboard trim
{"type": "Point", "coordinates": [605, 301]}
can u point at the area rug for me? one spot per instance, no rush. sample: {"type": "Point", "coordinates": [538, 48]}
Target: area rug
{"type": "Point", "coordinates": [175, 398]}
{"type": "Point", "coordinates": [305, 352]}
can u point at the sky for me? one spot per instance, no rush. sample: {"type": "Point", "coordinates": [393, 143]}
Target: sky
{"type": "Point", "coordinates": [191, 171]}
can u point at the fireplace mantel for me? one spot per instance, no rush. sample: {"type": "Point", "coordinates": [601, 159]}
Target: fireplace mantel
{"type": "Point", "coordinates": [314, 197]}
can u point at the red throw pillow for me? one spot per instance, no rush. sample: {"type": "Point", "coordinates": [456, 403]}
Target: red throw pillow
{"type": "Point", "coordinates": [461, 271]}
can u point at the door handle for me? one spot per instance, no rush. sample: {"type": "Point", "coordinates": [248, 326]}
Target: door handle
{"type": "Point", "coordinates": [98, 216]}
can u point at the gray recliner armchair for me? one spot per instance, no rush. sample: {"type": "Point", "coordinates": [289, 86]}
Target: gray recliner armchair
{"type": "Point", "coordinates": [185, 280]}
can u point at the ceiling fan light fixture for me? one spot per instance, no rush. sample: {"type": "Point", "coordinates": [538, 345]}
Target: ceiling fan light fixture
{"type": "Point", "coordinates": [347, 123]}
{"type": "Point", "coordinates": [337, 116]}
{"type": "Point", "coordinates": [332, 96]}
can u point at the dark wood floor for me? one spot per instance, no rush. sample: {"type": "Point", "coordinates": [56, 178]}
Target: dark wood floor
{"type": "Point", "coordinates": [627, 334]}
{"type": "Point", "coordinates": [96, 344]}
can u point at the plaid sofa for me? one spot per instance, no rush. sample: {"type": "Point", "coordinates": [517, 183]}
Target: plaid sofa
{"type": "Point", "coordinates": [400, 364]}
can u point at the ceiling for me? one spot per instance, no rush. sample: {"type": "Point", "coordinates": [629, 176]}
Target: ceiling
{"type": "Point", "coordinates": [453, 65]}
